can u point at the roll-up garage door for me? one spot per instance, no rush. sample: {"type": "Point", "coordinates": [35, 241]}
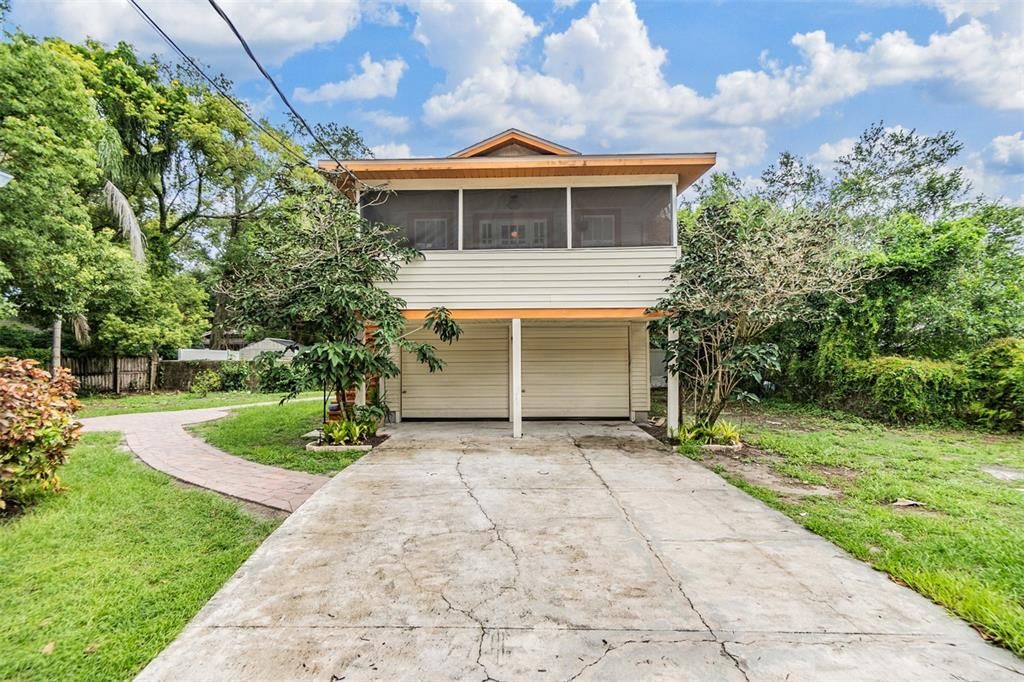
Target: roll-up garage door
{"type": "Point", "coordinates": [473, 384]}
{"type": "Point", "coordinates": [575, 370]}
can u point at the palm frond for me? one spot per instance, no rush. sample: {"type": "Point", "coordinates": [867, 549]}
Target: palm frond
{"type": "Point", "coordinates": [80, 326]}
{"type": "Point", "coordinates": [110, 153]}
{"type": "Point", "coordinates": [129, 224]}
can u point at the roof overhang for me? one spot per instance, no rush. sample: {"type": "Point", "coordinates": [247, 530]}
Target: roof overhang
{"type": "Point", "coordinates": [686, 167]}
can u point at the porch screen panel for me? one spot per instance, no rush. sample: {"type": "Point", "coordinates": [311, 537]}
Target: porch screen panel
{"type": "Point", "coordinates": [513, 219]}
{"type": "Point", "coordinates": [429, 218]}
{"type": "Point", "coordinates": [622, 216]}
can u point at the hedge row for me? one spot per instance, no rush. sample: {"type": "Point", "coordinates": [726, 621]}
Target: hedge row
{"type": "Point", "coordinates": [987, 389]}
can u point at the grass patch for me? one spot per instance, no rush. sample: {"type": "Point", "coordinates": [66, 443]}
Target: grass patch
{"type": "Point", "coordinates": [964, 548]}
{"type": "Point", "coordinates": [272, 435]}
{"type": "Point", "coordinates": [101, 405]}
{"type": "Point", "coordinates": [112, 569]}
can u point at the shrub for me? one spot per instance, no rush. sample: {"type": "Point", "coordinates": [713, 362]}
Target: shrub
{"type": "Point", "coordinates": [18, 336]}
{"type": "Point", "coordinates": [234, 376]}
{"type": "Point", "coordinates": [720, 433]}
{"type": "Point", "coordinates": [27, 353]}
{"type": "Point", "coordinates": [905, 390]}
{"type": "Point", "coordinates": [996, 372]}
{"type": "Point", "coordinates": [344, 432]}
{"type": "Point", "coordinates": [37, 427]}
{"type": "Point", "coordinates": [268, 374]}
{"type": "Point", "coordinates": [204, 382]}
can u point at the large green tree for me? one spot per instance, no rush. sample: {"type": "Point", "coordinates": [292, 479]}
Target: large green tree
{"type": "Point", "coordinates": [747, 267]}
{"type": "Point", "coordinates": [49, 133]}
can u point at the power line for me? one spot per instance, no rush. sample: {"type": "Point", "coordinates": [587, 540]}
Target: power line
{"type": "Point", "coordinates": [298, 116]}
{"type": "Point", "coordinates": [217, 86]}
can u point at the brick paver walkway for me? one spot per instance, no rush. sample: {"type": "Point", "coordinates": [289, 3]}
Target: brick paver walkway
{"type": "Point", "coordinates": [159, 439]}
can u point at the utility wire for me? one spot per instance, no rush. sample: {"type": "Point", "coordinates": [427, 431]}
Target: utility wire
{"type": "Point", "coordinates": [217, 86]}
{"type": "Point", "coordinates": [245, 46]}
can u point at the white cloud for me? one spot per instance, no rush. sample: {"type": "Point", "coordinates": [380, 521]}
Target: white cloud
{"type": "Point", "coordinates": [377, 79]}
{"type": "Point", "coordinates": [602, 79]}
{"type": "Point", "coordinates": [467, 38]}
{"type": "Point", "coordinates": [391, 151]}
{"type": "Point", "coordinates": [565, 4]}
{"type": "Point", "coordinates": [384, 120]}
{"type": "Point", "coordinates": [824, 157]}
{"type": "Point", "coordinates": [275, 31]}
{"type": "Point", "coordinates": [1008, 152]}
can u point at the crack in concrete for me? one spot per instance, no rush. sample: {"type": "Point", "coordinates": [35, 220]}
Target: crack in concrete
{"type": "Point", "coordinates": [609, 648]}
{"type": "Point", "coordinates": [654, 553]}
{"type": "Point", "coordinates": [498, 537]}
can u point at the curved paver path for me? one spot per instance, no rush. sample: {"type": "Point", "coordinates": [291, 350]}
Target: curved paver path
{"type": "Point", "coordinates": [159, 439]}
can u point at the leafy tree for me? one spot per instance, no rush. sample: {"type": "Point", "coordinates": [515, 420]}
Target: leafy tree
{"type": "Point", "coordinates": [893, 170]}
{"type": "Point", "coordinates": [314, 269]}
{"type": "Point", "coordinates": [49, 130]}
{"type": "Point", "coordinates": [747, 267]}
{"type": "Point", "coordinates": [176, 138]}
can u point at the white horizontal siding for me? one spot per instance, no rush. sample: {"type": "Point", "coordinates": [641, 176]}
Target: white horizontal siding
{"type": "Point", "coordinates": [536, 278]}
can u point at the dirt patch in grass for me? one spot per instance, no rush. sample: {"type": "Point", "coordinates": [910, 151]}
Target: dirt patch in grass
{"type": "Point", "coordinates": [756, 468]}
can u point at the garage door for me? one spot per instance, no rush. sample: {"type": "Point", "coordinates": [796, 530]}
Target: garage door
{"type": "Point", "coordinates": [575, 370]}
{"type": "Point", "coordinates": [473, 384]}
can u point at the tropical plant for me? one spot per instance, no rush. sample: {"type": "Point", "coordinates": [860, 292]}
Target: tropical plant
{"type": "Point", "coordinates": [721, 432]}
{"type": "Point", "coordinates": [37, 427]}
{"type": "Point", "coordinates": [315, 269]}
{"type": "Point", "coordinates": [344, 432]}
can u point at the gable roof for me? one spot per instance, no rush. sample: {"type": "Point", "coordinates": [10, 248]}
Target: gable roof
{"type": "Point", "coordinates": [513, 136]}
{"type": "Point", "coordinates": [516, 154]}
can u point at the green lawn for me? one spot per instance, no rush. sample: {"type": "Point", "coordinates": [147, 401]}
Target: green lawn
{"type": "Point", "coordinates": [106, 404]}
{"type": "Point", "coordinates": [272, 435]}
{"type": "Point", "coordinates": [963, 548]}
{"type": "Point", "coordinates": [100, 578]}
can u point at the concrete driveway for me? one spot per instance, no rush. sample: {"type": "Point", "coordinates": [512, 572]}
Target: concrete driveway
{"type": "Point", "coordinates": [583, 551]}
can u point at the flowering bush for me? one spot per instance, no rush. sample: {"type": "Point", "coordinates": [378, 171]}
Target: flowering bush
{"type": "Point", "coordinates": [37, 426]}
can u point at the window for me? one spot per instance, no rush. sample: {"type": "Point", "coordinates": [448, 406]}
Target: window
{"type": "Point", "coordinates": [430, 233]}
{"type": "Point", "coordinates": [622, 216]}
{"type": "Point", "coordinates": [513, 218]}
{"type": "Point", "coordinates": [597, 229]}
{"type": "Point", "coordinates": [427, 219]}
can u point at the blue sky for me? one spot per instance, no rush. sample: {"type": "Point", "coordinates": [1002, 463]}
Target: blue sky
{"type": "Point", "coordinates": [744, 79]}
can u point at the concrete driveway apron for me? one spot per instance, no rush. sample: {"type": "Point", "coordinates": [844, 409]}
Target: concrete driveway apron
{"type": "Point", "coordinates": [583, 551]}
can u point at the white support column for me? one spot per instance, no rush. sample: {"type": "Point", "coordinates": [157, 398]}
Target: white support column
{"type": "Point", "coordinates": [675, 217]}
{"type": "Point", "coordinates": [672, 380]}
{"type": "Point", "coordinates": [568, 217]}
{"type": "Point", "coordinates": [460, 219]}
{"type": "Point", "coordinates": [516, 407]}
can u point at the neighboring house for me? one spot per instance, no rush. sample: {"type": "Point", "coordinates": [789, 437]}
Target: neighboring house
{"type": "Point", "coordinates": [548, 258]}
{"type": "Point", "coordinates": [287, 347]}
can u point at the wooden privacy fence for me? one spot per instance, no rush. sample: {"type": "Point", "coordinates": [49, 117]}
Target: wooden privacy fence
{"type": "Point", "coordinates": [116, 374]}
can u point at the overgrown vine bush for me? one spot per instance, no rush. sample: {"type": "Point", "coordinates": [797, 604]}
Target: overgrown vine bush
{"type": "Point", "coordinates": [37, 427]}
{"type": "Point", "coordinates": [906, 390]}
{"type": "Point", "coordinates": [997, 372]}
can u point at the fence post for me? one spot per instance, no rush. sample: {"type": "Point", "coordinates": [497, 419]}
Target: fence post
{"type": "Point", "coordinates": [117, 374]}
{"type": "Point", "coordinates": [152, 373]}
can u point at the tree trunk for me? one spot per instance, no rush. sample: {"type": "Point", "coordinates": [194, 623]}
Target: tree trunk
{"type": "Point", "coordinates": [58, 328]}
{"type": "Point", "coordinates": [218, 338]}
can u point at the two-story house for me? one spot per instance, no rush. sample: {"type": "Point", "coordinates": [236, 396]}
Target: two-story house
{"type": "Point", "coordinates": [548, 258]}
